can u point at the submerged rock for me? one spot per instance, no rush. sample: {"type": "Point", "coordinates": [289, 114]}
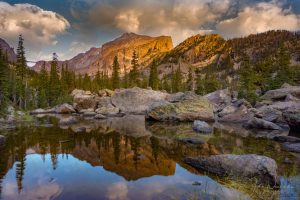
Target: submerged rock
{"type": "Point", "coordinates": [261, 168]}
{"type": "Point", "coordinates": [292, 147]}
{"type": "Point", "coordinates": [202, 127]}
{"type": "Point", "coordinates": [188, 110]}
{"type": "Point", "coordinates": [257, 123]}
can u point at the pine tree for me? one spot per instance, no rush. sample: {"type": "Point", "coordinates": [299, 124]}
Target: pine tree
{"type": "Point", "coordinates": [248, 80]}
{"type": "Point", "coordinates": [43, 87]}
{"type": "Point", "coordinates": [190, 80]}
{"type": "Point", "coordinates": [211, 83]}
{"type": "Point", "coordinates": [86, 82]}
{"type": "Point", "coordinates": [285, 73]}
{"type": "Point", "coordinates": [153, 77]}
{"type": "Point", "coordinates": [21, 74]}
{"type": "Point", "coordinates": [115, 74]}
{"type": "Point", "coordinates": [177, 80]}
{"type": "Point", "coordinates": [21, 59]}
{"type": "Point", "coordinates": [54, 82]}
{"type": "Point", "coordinates": [200, 90]}
{"type": "Point", "coordinates": [134, 74]}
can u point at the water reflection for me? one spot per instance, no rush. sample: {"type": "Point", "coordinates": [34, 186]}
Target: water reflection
{"type": "Point", "coordinates": [122, 158]}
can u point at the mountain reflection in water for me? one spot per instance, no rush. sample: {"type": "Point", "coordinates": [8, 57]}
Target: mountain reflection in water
{"type": "Point", "coordinates": [121, 158]}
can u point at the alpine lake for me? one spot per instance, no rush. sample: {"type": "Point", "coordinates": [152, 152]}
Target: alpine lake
{"type": "Point", "coordinates": [129, 158]}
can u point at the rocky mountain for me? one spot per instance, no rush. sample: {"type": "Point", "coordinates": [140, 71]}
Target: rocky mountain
{"type": "Point", "coordinates": [214, 54]}
{"type": "Point", "coordinates": [7, 50]}
{"type": "Point", "coordinates": [102, 58]}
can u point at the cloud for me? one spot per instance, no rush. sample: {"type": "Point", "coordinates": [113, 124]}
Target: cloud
{"type": "Point", "coordinates": [39, 27]}
{"type": "Point", "coordinates": [178, 18]}
{"type": "Point", "coordinates": [259, 18]}
{"type": "Point", "coordinates": [128, 21]}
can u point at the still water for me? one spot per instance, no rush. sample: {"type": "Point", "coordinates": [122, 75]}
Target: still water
{"type": "Point", "coordinates": [126, 158]}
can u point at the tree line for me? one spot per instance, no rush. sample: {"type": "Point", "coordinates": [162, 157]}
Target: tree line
{"type": "Point", "coordinates": [27, 89]}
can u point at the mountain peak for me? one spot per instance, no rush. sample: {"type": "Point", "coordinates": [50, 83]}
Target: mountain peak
{"type": "Point", "coordinates": [127, 35]}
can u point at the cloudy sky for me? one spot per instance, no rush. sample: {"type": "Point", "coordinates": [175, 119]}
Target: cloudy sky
{"type": "Point", "coordinates": [69, 27]}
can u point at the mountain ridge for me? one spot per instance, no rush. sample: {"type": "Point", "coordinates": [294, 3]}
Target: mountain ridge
{"type": "Point", "coordinates": [102, 58]}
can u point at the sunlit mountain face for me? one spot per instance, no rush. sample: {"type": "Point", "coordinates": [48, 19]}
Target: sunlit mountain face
{"type": "Point", "coordinates": [72, 27]}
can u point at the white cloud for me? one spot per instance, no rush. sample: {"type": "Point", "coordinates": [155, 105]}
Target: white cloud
{"type": "Point", "coordinates": [38, 26]}
{"type": "Point", "coordinates": [259, 18]}
{"type": "Point", "coordinates": [128, 21]}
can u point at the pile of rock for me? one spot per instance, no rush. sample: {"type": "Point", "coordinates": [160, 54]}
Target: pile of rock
{"type": "Point", "coordinates": [156, 105]}
{"type": "Point", "coordinates": [279, 109]}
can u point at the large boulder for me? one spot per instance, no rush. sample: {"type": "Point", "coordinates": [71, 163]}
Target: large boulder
{"type": "Point", "coordinates": [272, 115]}
{"type": "Point", "coordinates": [219, 98]}
{"type": "Point", "coordinates": [257, 123]}
{"type": "Point", "coordinates": [187, 110]}
{"type": "Point", "coordinates": [281, 93]}
{"type": "Point", "coordinates": [261, 168]}
{"type": "Point", "coordinates": [84, 101]}
{"type": "Point", "coordinates": [136, 100]}
{"type": "Point", "coordinates": [65, 109]}
{"type": "Point", "coordinates": [202, 127]}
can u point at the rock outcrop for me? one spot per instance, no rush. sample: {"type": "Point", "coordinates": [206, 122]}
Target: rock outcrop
{"type": "Point", "coordinates": [261, 168]}
{"type": "Point", "coordinates": [184, 111]}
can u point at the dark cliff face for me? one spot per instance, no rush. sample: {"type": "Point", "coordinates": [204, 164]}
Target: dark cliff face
{"type": "Point", "coordinates": [8, 51]}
